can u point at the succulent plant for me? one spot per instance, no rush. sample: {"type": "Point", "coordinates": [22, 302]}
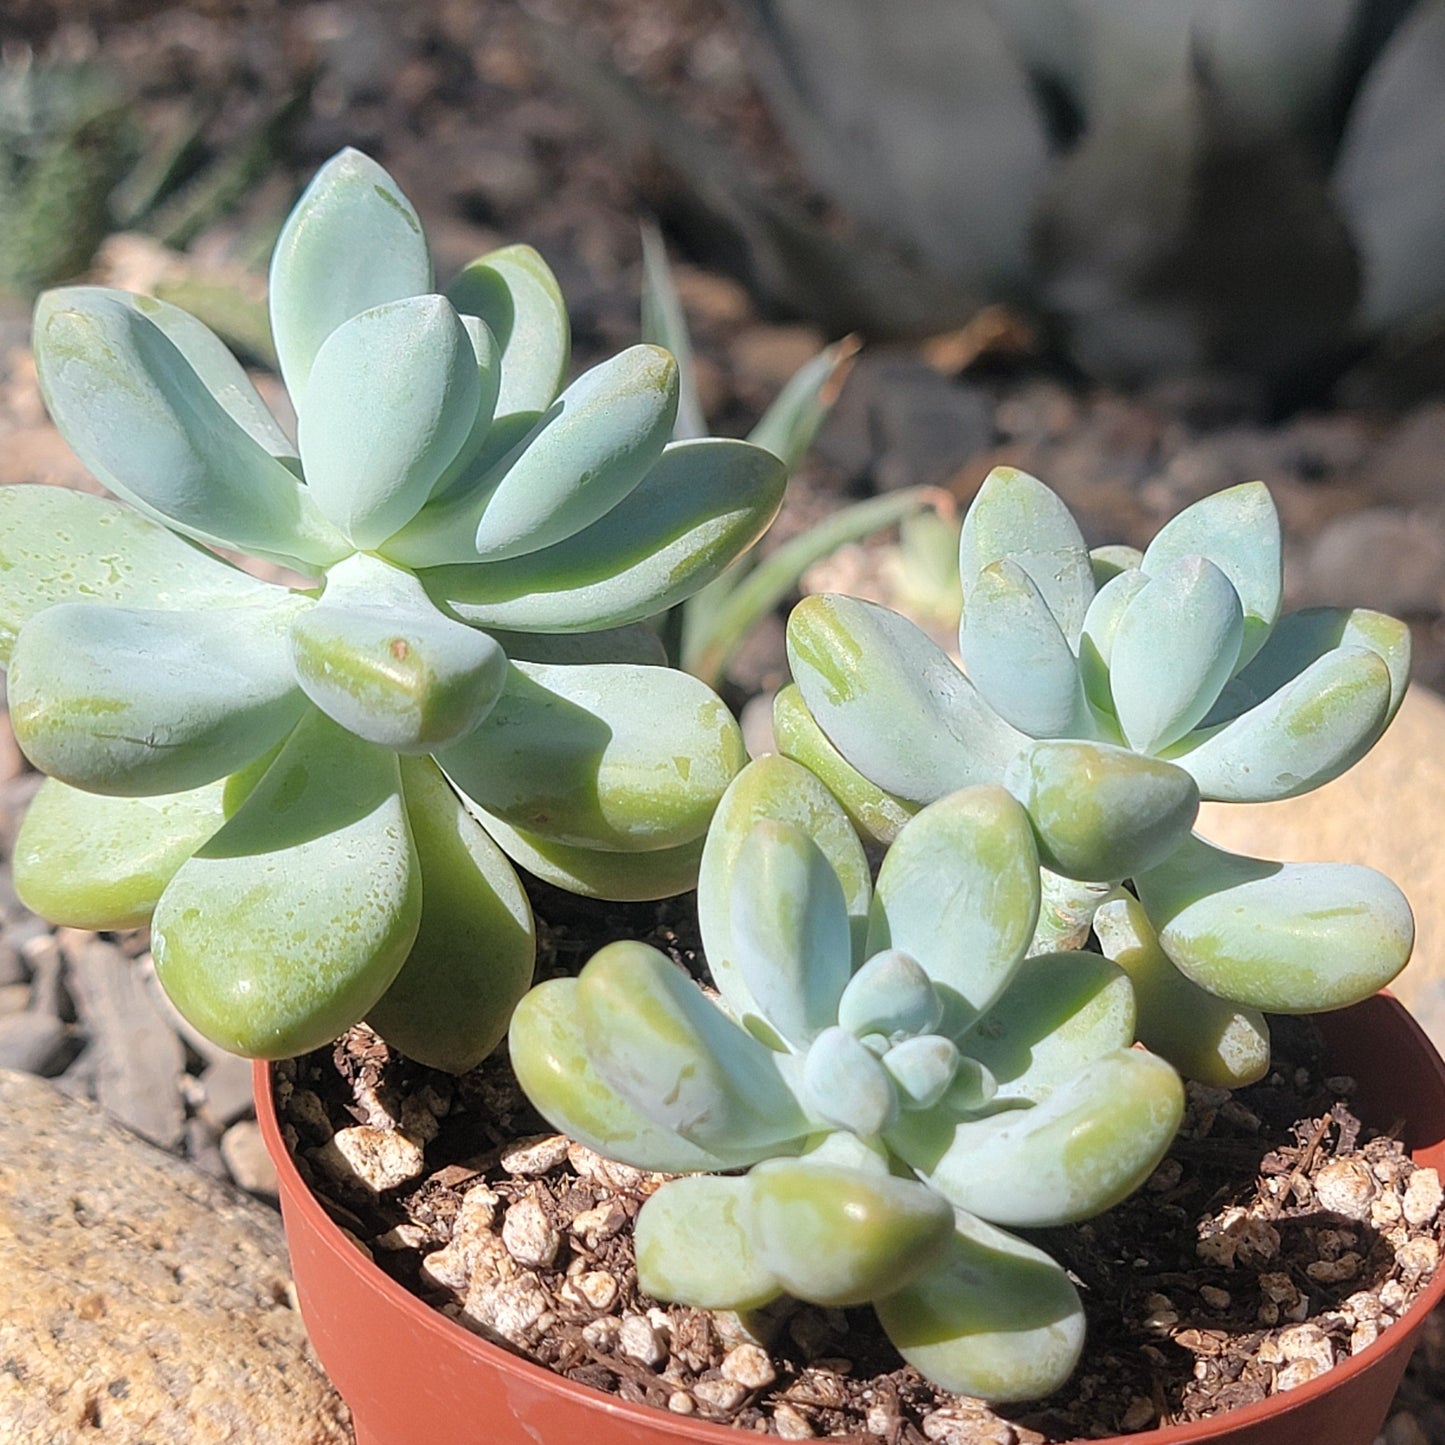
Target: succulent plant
{"type": "Point", "coordinates": [313, 791]}
{"type": "Point", "coordinates": [1110, 691]}
{"type": "Point", "coordinates": [894, 1075]}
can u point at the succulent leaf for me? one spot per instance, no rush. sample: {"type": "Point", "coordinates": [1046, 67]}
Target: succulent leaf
{"type": "Point", "coordinates": [1096, 640]}
{"type": "Point", "coordinates": [891, 994]}
{"type": "Point", "coordinates": [635, 643]}
{"type": "Point", "coordinates": [1107, 562]}
{"type": "Point", "coordinates": [488, 359]}
{"type": "Point", "coordinates": [924, 1069]}
{"type": "Point", "coordinates": [846, 1086]}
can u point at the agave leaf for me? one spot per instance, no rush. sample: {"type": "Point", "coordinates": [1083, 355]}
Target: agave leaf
{"type": "Point", "coordinates": [550, 1059]}
{"type": "Point", "coordinates": [634, 643]}
{"type": "Point", "coordinates": [1090, 1143]}
{"type": "Point", "coordinates": [62, 546]}
{"type": "Point", "coordinates": [1284, 937]}
{"type": "Point", "coordinates": [1018, 518]}
{"type": "Point", "coordinates": [664, 324]}
{"type": "Point", "coordinates": [514, 291]}
{"type": "Point", "coordinates": [1238, 530]}
{"type": "Point", "coordinates": [844, 1084]}
{"type": "Point", "coordinates": [1017, 656]}
{"type": "Point", "coordinates": [377, 656]}
{"type": "Point", "coordinates": [392, 398]}
{"type": "Point", "coordinates": [835, 1235]}
{"type": "Point", "coordinates": [137, 414]}
{"type": "Point", "coordinates": [352, 242]}
{"type": "Point", "coordinates": [790, 935]}
{"type": "Point", "coordinates": [1220, 1043]}
{"type": "Point", "coordinates": [892, 702]}
{"type": "Point", "coordinates": [1101, 622]}
{"type": "Point", "coordinates": [891, 995]}
{"type": "Point", "coordinates": [772, 788]}
{"type": "Point", "coordinates": [1173, 649]}
{"type": "Point", "coordinates": [702, 504]}
{"type": "Point", "coordinates": [472, 958]}
{"type": "Point", "coordinates": [124, 701]}
{"type": "Point", "coordinates": [1102, 813]}
{"type": "Point", "coordinates": [959, 892]}
{"type": "Point", "coordinates": [1308, 732]}
{"type": "Point", "coordinates": [679, 1060]}
{"type": "Point", "coordinates": [993, 1317]}
{"type": "Point", "coordinates": [875, 814]}
{"type": "Point", "coordinates": [791, 422]}
{"type": "Point", "coordinates": [287, 926]}
{"type": "Point", "coordinates": [609, 756]}
{"type": "Point", "coordinates": [1062, 1011]}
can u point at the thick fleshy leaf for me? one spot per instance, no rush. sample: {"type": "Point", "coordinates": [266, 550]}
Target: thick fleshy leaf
{"type": "Point", "coordinates": [1107, 562]}
{"type": "Point", "coordinates": [695, 511]}
{"type": "Point", "coordinates": [1284, 937]}
{"type": "Point", "coordinates": [680, 1060]}
{"type": "Point", "coordinates": [549, 1057]}
{"type": "Point", "coordinates": [472, 958]}
{"type": "Point", "coordinates": [959, 892]}
{"type": "Point", "coordinates": [923, 1068]}
{"type": "Point", "coordinates": [610, 756]}
{"type": "Point", "coordinates": [62, 546]}
{"type": "Point", "coordinates": [1101, 622]}
{"type": "Point", "coordinates": [693, 1246]}
{"type": "Point", "coordinates": [1173, 650]}
{"type": "Point", "coordinates": [891, 995]}
{"type": "Point", "coordinates": [892, 702]}
{"type": "Point", "coordinates": [135, 412]}
{"type": "Point", "coordinates": [488, 358]}
{"type": "Point", "coordinates": [285, 928]}
{"type": "Point", "coordinates": [1220, 1043]}
{"type": "Point", "coordinates": [1101, 813]}
{"type": "Point", "coordinates": [1066, 911]}
{"type": "Point", "coordinates": [845, 1085]}
{"type": "Point", "coordinates": [352, 242]}
{"type": "Point", "coordinates": [122, 701]}
{"type": "Point", "coordinates": [993, 1317]}
{"type": "Point", "coordinates": [664, 324]}
{"type": "Point", "coordinates": [392, 399]}
{"type": "Point", "coordinates": [1308, 732]}
{"type": "Point", "coordinates": [772, 788]}
{"type": "Point", "coordinates": [376, 656]}
{"type": "Point", "coordinates": [1238, 530]}
{"type": "Point", "coordinates": [1016, 517]}
{"type": "Point", "coordinates": [1062, 1011]}
{"type": "Point", "coordinates": [834, 1235]}
{"type": "Point", "coordinates": [1090, 1143]}
{"type": "Point", "coordinates": [1017, 656]}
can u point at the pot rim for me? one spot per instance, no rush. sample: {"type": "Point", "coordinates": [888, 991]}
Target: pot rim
{"type": "Point", "coordinates": [299, 1196]}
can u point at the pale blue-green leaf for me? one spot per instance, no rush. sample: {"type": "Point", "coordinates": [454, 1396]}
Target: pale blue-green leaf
{"type": "Point", "coordinates": [993, 1317]}
{"type": "Point", "coordinates": [1107, 562]}
{"type": "Point", "coordinates": [1284, 937]}
{"type": "Point", "coordinates": [664, 324]}
{"type": "Point", "coordinates": [462, 468]}
{"type": "Point", "coordinates": [550, 1059]}
{"type": "Point", "coordinates": [1096, 640]}
{"type": "Point", "coordinates": [1018, 518]}
{"type": "Point", "coordinates": [1173, 650]}
{"type": "Point", "coordinates": [693, 1246]}
{"type": "Point", "coordinates": [1238, 530]}
{"type": "Point", "coordinates": [287, 926]}
{"type": "Point", "coordinates": [677, 1058]}
{"type": "Point", "coordinates": [890, 995]}
{"type": "Point", "coordinates": [607, 756]}
{"type": "Point", "coordinates": [845, 1085]}
{"type": "Point", "coordinates": [376, 656]}
{"type": "Point", "coordinates": [391, 400]}
{"type": "Point", "coordinates": [1062, 1011]}
{"type": "Point", "coordinates": [893, 702]}
{"type": "Point", "coordinates": [1308, 732]}
{"type": "Point", "coordinates": [1018, 658]}
{"type": "Point", "coordinates": [1090, 1143]}
{"type": "Point", "coordinates": [122, 701]}
{"type": "Point", "coordinates": [1223, 1044]}
{"type": "Point", "coordinates": [790, 933]}
{"type": "Point", "coordinates": [635, 642]}
{"type": "Point", "coordinates": [1066, 911]}
{"type": "Point", "coordinates": [793, 418]}
{"type": "Point", "coordinates": [973, 1088]}
{"type": "Point", "coordinates": [923, 1068]}
{"type": "Point", "coordinates": [137, 414]}
{"type": "Point", "coordinates": [695, 511]}
{"type": "Point", "coordinates": [514, 291]}
{"type": "Point", "coordinates": [959, 892]}
{"type": "Point", "coordinates": [352, 242]}
{"type": "Point", "coordinates": [57, 545]}
{"type": "Point", "coordinates": [1101, 813]}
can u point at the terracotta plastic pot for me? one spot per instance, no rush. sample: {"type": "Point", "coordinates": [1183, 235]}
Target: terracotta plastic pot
{"type": "Point", "coordinates": [411, 1375]}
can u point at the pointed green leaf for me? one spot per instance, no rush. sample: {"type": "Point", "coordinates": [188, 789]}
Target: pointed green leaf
{"type": "Point", "coordinates": [285, 928]}
{"type": "Point", "coordinates": [844, 1085]}
{"type": "Point", "coordinates": [664, 324]}
{"type": "Point", "coordinates": [352, 242]}
{"type": "Point", "coordinates": [891, 995]}
{"type": "Point", "coordinates": [475, 947]}
{"type": "Point", "coordinates": [796, 414]}
{"type": "Point", "coordinates": [1284, 937]}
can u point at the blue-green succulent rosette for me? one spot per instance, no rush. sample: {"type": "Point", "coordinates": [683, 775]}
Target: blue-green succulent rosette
{"type": "Point", "coordinates": [316, 794]}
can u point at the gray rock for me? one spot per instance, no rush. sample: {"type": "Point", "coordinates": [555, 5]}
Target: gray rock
{"type": "Point", "coordinates": [1382, 558]}
{"type": "Point", "coordinates": [34, 1043]}
{"type": "Point", "coordinates": [226, 1091]}
{"type": "Point", "coordinates": [139, 1300]}
{"type": "Point", "coordinates": [244, 1153]}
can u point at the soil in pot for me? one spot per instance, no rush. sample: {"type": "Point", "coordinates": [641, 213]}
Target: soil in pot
{"type": "Point", "coordinates": [1278, 1237]}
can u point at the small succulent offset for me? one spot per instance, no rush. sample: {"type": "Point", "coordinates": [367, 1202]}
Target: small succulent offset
{"type": "Point", "coordinates": [316, 790]}
{"type": "Point", "coordinates": [895, 1076]}
{"type": "Point", "coordinates": [1109, 692]}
